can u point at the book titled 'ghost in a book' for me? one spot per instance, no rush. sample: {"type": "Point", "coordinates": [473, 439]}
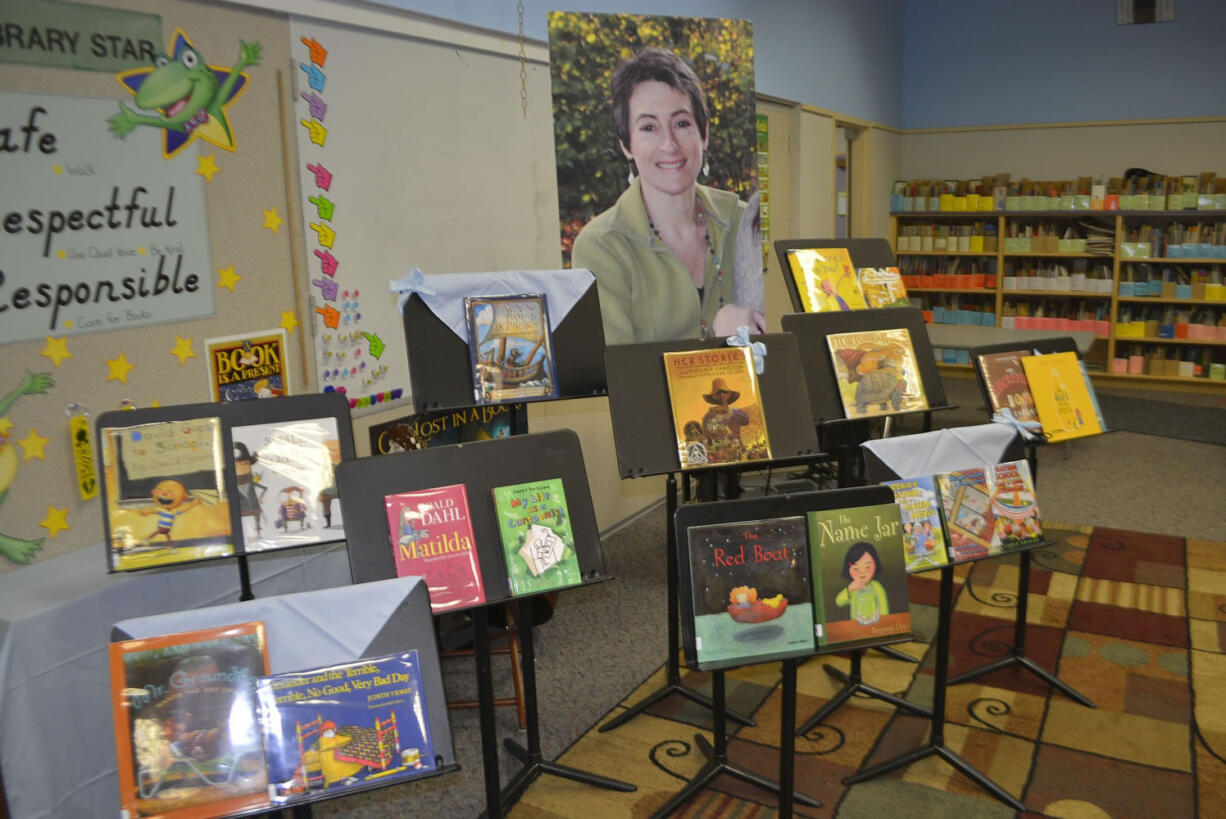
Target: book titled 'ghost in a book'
{"type": "Point", "coordinates": [537, 542]}
{"type": "Point", "coordinates": [718, 416]}
{"type": "Point", "coordinates": [432, 537]}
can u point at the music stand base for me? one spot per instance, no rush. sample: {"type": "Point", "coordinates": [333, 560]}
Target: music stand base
{"type": "Point", "coordinates": [534, 767]}
{"type": "Point", "coordinates": [851, 687]}
{"type": "Point", "coordinates": [663, 693]}
{"type": "Point", "coordinates": [1031, 666]}
{"type": "Point", "coordinates": [964, 767]}
{"type": "Point", "coordinates": [895, 654]}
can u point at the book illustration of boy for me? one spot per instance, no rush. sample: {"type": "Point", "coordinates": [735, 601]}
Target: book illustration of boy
{"type": "Point", "coordinates": [250, 491]}
{"type": "Point", "coordinates": [171, 499]}
{"type": "Point", "coordinates": [864, 594]}
{"type": "Point", "coordinates": [876, 370]}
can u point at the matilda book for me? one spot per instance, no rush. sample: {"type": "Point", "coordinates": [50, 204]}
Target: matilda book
{"type": "Point", "coordinates": [1062, 396]}
{"type": "Point", "coordinates": [252, 365]}
{"type": "Point", "coordinates": [883, 287]}
{"type": "Point", "coordinates": [510, 347]}
{"type": "Point", "coordinates": [1014, 506]}
{"type": "Point", "coordinates": [537, 542]}
{"type": "Point", "coordinates": [877, 372]}
{"type": "Point", "coordinates": [165, 494]}
{"type": "Point", "coordinates": [966, 499]}
{"type": "Point", "coordinates": [286, 487]}
{"type": "Point", "coordinates": [859, 574]}
{"type": "Point", "coordinates": [749, 600]}
{"type": "Point", "coordinates": [923, 539]}
{"type": "Point", "coordinates": [717, 408]}
{"type": "Point", "coordinates": [343, 727]}
{"type": "Point", "coordinates": [825, 279]}
{"type": "Point", "coordinates": [1007, 385]}
{"type": "Point", "coordinates": [432, 537]}
{"type": "Point", "coordinates": [187, 736]}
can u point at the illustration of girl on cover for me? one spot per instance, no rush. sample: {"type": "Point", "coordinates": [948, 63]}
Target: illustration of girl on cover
{"type": "Point", "coordinates": [864, 594]}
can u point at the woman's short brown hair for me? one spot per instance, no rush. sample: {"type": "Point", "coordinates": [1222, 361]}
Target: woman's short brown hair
{"type": "Point", "coordinates": [663, 66]}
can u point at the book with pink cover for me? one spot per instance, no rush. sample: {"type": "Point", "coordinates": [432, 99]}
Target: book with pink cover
{"type": "Point", "coordinates": [432, 537]}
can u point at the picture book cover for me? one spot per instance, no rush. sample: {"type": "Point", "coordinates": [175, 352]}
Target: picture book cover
{"type": "Point", "coordinates": [1007, 385]}
{"type": "Point", "coordinates": [718, 417]}
{"type": "Point", "coordinates": [877, 372]}
{"type": "Point", "coordinates": [187, 735]}
{"type": "Point", "coordinates": [859, 574]}
{"type": "Point", "coordinates": [165, 493]}
{"type": "Point", "coordinates": [510, 347]}
{"type": "Point", "coordinates": [432, 428]}
{"type": "Point", "coordinates": [883, 287]}
{"type": "Point", "coordinates": [825, 279]}
{"type": "Point", "coordinates": [286, 485]}
{"type": "Point", "coordinates": [432, 537]}
{"type": "Point", "coordinates": [966, 499]}
{"type": "Point", "coordinates": [537, 542]}
{"type": "Point", "coordinates": [246, 366]}
{"type": "Point", "coordinates": [345, 727]}
{"type": "Point", "coordinates": [750, 599]}
{"type": "Point", "coordinates": [923, 538]}
{"type": "Point", "coordinates": [1062, 396]}
{"type": "Point", "coordinates": [1015, 507]}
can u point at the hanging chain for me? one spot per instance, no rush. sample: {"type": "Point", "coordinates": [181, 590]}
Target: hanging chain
{"type": "Point", "coordinates": [523, 61]}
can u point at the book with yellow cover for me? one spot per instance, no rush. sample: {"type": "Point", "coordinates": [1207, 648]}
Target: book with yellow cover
{"type": "Point", "coordinates": [883, 287]}
{"type": "Point", "coordinates": [825, 279]}
{"type": "Point", "coordinates": [877, 372]}
{"type": "Point", "coordinates": [1062, 395]}
{"type": "Point", "coordinates": [717, 408]}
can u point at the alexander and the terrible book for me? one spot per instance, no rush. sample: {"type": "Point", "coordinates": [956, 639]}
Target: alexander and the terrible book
{"type": "Point", "coordinates": [859, 575]}
{"type": "Point", "coordinates": [345, 727]}
{"type": "Point", "coordinates": [534, 525]}
{"type": "Point", "coordinates": [432, 537]}
{"type": "Point", "coordinates": [718, 417]}
{"type": "Point", "coordinates": [877, 372]}
{"type": "Point", "coordinates": [749, 600]}
{"type": "Point", "coordinates": [187, 736]}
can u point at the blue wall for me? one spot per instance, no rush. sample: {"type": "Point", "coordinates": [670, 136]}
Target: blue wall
{"type": "Point", "coordinates": [971, 62]}
{"type": "Point", "coordinates": [841, 55]}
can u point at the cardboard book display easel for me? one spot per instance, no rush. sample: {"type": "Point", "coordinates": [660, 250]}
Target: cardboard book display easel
{"type": "Point", "coordinates": [646, 443]}
{"type": "Point", "coordinates": [481, 467]}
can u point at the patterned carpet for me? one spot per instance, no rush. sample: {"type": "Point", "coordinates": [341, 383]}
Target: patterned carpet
{"type": "Point", "coordinates": [1136, 622]}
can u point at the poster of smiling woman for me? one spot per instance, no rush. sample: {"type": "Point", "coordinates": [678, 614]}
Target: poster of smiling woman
{"type": "Point", "coordinates": [654, 129]}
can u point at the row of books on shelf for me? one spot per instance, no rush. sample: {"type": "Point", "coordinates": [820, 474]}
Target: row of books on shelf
{"type": "Point", "coordinates": [973, 237]}
{"type": "Point", "coordinates": [1170, 321]}
{"type": "Point", "coordinates": [203, 729]}
{"type": "Point", "coordinates": [948, 273]}
{"type": "Point", "coordinates": [1076, 276]}
{"type": "Point", "coordinates": [1204, 191]}
{"type": "Point", "coordinates": [827, 281]}
{"type": "Point", "coordinates": [1172, 281]}
{"type": "Point", "coordinates": [1190, 241]}
{"type": "Point", "coordinates": [838, 578]}
{"type": "Point", "coordinates": [1176, 362]}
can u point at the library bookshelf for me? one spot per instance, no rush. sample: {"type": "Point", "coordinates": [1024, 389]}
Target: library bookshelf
{"type": "Point", "coordinates": [1150, 283]}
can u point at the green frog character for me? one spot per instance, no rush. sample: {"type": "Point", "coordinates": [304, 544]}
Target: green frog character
{"type": "Point", "coordinates": [188, 95]}
{"type": "Point", "coordinates": [16, 549]}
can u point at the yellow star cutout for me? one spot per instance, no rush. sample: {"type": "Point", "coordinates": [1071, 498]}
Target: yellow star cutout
{"type": "Point", "coordinates": [206, 166]}
{"type": "Point", "coordinates": [56, 349]}
{"type": "Point", "coordinates": [273, 220]}
{"type": "Point", "coordinates": [6, 426]}
{"type": "Point", "coordinates": [288, 320]}
{"type": "Point", "coordinates": [183, 349]}
{"type": "Point", "coordinates": [57, 169]}
{"type": "Point", "coordinates": [55, 522]}
{"type": "Point", "coordinates": [33, 445]}
{"type": "Point", "coordinates": [228, 277]}
{"type": "Point", "coordinates": [119, 368]}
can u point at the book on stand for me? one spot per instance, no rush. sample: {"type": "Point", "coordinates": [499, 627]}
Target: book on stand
{"type": "Point", "coordinates": [749, 599]}
{"type": "Point", "coordinates": [345, 727]}
{"type": "Point", "coordinates": [165, 493]}
{"type": "Point", "coordinates": [1063, 396]}
{"type": "Point", "coordinates": [286, 484]}
{"type": "Point", "coordinates": [825, 279]}
{"type": "Point", "coordinates": [534, 525]}
{"type": "Point", "coordinates": [432, 538]}
{"type": "Point", "coordinates": [187, 737]}
{"type": "Point", "coordinates": [1014, 506]}
{"type": "Point", "coordinates": [883, 287]}
{"type": "Point", "coordinates": [877, 372]}
{"type": "Point", "coordinates": [923, 537]}
{"type": "Point", "coordinates": [859, 575]}
{"type": "Point", "coordinates": [718, 416]}
{"type": "Point", "coordinates": [1008, 388]}
{"type": "Point", "coordinates": [989, 509]}
{"type": "Point", "coordinates": [510, 346]}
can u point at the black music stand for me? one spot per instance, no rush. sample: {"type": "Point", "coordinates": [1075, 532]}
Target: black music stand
{"type": "Point", "coordinates": [480, 467]}
{"type": "Point", "coordinates": [647, 445]}
{"type": "Point", "coordinates": [280, 410]}
{"type": "Point", "coordinates": [440, 372]}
